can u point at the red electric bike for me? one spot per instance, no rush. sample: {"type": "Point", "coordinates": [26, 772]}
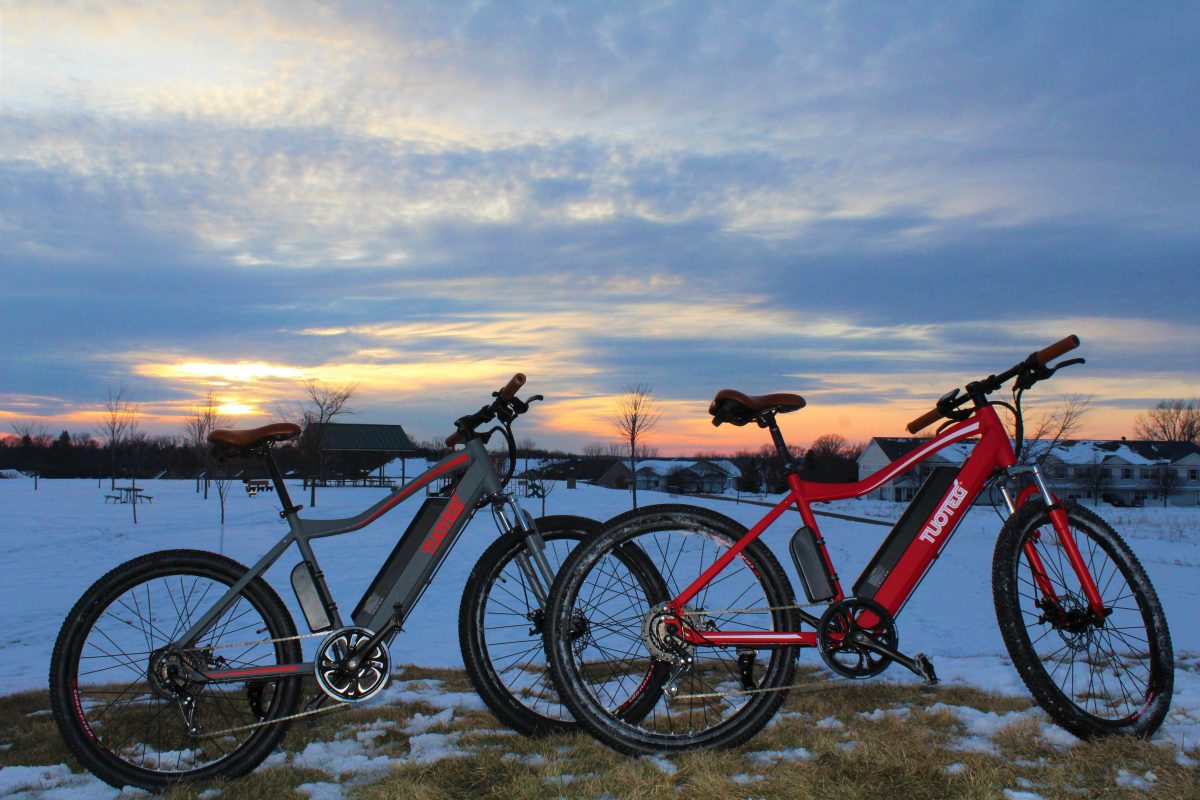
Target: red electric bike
{"type": "Point", "coordinates": [704, 653]}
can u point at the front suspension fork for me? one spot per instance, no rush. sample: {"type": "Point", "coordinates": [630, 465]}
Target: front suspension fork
{"type": "Point", "coordinates": [1062, 529]}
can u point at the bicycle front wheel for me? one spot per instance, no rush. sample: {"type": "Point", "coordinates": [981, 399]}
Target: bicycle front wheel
{"type": "Point", "coordinates": [617, 666]}
{"type": "Point", "coordinates": [1093, 677]}
{"type": "Point", "coordinates": [500, 624]}
{"type": "Point", "coordinates": [131, 708]}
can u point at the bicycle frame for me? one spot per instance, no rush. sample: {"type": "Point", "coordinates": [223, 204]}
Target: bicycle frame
{"type": "Point", "coordinates": [476, 479]}
{"type": "Point", "coordinates": [992, 452]}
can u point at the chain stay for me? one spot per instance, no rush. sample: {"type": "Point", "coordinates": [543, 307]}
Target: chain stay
{"type": "Point", "coordinates": [806, 688]}
{"type": "Point", "coordinates": [289, 717]}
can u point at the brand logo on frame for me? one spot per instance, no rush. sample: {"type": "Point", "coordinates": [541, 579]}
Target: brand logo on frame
{"type": "Point", "coordinates": [944, 513]}
{"type": "Point", "coordinates": [453, 511]}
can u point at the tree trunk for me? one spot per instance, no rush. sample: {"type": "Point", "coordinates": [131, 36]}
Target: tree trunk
{"type": "Point", "coordinates": [633, 474]}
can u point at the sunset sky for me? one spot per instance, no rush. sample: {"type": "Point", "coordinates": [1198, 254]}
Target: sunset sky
{"type": "Point", "coordinates": [864, 203]}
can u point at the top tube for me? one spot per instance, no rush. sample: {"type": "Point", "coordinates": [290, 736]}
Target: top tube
{"type": "Point", "coordinates": [983, 424]}
{"type": "Point", "coordinates": [453, 464]}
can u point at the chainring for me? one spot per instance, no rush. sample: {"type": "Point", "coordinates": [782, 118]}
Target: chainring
{"type": "Point", "coordinates": [347, 681]}
{"type": "Point", "coordinates": [837, 629]}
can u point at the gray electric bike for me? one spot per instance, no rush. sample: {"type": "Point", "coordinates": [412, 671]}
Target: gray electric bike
{"type": "Point", "coordinates": [185, 665]}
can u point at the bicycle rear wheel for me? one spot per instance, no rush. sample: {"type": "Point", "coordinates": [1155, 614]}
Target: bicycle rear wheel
{"type": "Point", "coordinates": [1094, 678]}
{"type": "Point", "coordinates": [606, 649]}
{"type": "Point", "coordinates": [500, 623]}
{"type": "Point", "coordinates": [123, 700]}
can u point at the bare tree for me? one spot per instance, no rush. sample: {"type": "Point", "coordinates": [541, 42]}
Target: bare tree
{"type": "Point", "coordinates": [1054, 427]}
{"type": "Point", "coordinates": [633, 420]}
{"type": "Point", "coordinates": [1164, 479]}
{"type": "Point", "coordinates": [1095, 478]}
{"type": "Point", "coordinates": [1170, 421]}
{"type": "Point", "coordinates": [119, 423]}
{"type": "Point", "coordinates": [593, 450]}
{"type": "Point", "coordinates": [830, 445]}
{"type": "Point", "coordinates": [204, 420]}
{"type": "Point", "coordinates": [34, 439]}
{"type": "Point", "coordinates": [324, 404]}
{"type": "Point", "coordinates": [543, 488]}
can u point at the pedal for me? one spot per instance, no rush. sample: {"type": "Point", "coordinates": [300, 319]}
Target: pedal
{"type": "Point", "coordinates": [924, 667]}
{"type": "Point", "coordinates": [919, 664]}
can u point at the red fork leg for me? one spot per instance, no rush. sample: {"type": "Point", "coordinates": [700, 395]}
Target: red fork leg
{"type": "Point", "coordinates": [1039, 570]}
{"type": "Point", "coordinates": [1062, 527]}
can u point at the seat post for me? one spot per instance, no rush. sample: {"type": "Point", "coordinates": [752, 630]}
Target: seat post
{"type": "Point", "coordinates": [767, 420]}
{"type": "Point", "coordinates": [280, 487]}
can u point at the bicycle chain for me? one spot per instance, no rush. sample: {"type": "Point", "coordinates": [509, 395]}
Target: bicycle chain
{"type": "Point", "coordinates": [809, 687]}
{"type": "Point", "coordinates": [264, 723]}
{"type": "Point", "coordinates": [286, 718]}
{"type": "Point", "coordinates": [256, 641]}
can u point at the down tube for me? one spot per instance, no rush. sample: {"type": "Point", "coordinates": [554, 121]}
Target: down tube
{"type": "Point", "coordinates": [910, 569]}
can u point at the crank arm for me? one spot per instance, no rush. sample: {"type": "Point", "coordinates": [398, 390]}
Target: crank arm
{"type": "Point", "coordinates": [919, 665]}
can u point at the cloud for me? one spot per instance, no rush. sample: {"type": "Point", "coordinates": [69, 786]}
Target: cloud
{"type": "Point", "coordinates": [428, 196]}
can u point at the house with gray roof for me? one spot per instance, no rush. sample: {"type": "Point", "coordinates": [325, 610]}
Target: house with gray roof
{"type": "Point", "coordinates": [685, 476]}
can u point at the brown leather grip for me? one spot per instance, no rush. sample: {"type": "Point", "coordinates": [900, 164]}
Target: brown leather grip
{"type": "Point", "coordinates": [1048, 354]}
{"type": "Point", "coordinates": [925, 420]}
{"type": "Point", "coordinates": [453, 439]}
{"type": "Point", "coordinates": [513, 386]}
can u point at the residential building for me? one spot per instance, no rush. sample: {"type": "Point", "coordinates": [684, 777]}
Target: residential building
{"type": "Point", "coordinates": [685, 476]}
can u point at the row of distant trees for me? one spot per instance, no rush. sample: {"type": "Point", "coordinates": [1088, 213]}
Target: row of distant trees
{"type": "Point", "coordinates": [118, 446]}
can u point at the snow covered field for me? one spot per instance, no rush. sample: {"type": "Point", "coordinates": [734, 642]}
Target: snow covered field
{"type": "Point", "coordinates": [59, 539]}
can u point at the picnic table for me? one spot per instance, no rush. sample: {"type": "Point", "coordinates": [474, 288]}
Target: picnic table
{"type": "Point", "coordinates": [129, 494]}
{"type": "Point", "coordinates": [255, 485]}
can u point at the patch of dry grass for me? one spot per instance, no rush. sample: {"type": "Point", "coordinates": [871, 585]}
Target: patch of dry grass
{"type": "Point", "coordinates": [864, 740]}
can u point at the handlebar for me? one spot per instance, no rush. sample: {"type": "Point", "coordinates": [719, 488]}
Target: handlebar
{"type": "Point", "coordinates": [506, 405]}
{"type": "Point", "coordinates": [1032, 369]}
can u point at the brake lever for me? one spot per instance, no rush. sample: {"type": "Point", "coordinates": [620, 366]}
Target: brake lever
{"type": "Point", "coordinates": [1068, 363]}
{"type": "Point", "coordinates": [1039, 372]}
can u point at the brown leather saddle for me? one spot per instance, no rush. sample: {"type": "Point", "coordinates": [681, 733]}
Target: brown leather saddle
{"type": "Point", "coordinates": [251, 440]}
{"type": "Point", "coordinates": [736, 408]}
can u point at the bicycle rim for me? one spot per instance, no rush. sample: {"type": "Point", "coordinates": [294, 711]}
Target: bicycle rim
{"type": "Point", "coordinates": [511, 632]}
{"type": "Point", "coordinates": [129, 697]}
{"type": "Point", "coordinates": [1109, 673]}
{"type": "Point", "coordinates": [635, 695]}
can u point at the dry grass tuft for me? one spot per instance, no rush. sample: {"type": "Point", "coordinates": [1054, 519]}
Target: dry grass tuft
{"type": "Point", "coordinates": [864, 740]}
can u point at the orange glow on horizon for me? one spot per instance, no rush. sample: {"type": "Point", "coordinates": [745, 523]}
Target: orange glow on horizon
{"type": "Point", "coordinates": [685, 427]}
